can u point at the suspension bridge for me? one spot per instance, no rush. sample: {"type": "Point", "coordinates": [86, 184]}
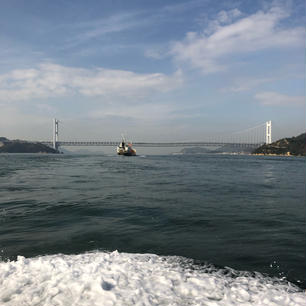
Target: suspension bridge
{"type": "Point", "coordinates": [249, 138]}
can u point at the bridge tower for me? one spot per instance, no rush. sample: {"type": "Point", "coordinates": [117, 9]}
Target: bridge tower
{"type": "Point", "coordinates": [55, 134]}
{"type": "Point", "coordinates": [268, 132]}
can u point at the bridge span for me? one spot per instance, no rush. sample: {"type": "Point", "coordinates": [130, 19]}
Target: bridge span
{"type": "Point", "coordinates": [249, 138]}
{"type": "Point", "coordinates": [150, 144]}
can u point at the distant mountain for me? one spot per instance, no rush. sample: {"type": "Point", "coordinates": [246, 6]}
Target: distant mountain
{"type": "Point", "coordinates": [230, 148]}
{"type": "Point", "coordinates": [227, 148]}
{"type": "Point", "coordinates": [286, 146]}
{"type": "Point", "coordinates": [195, 150]}
{"type": "Point", "coordinates": [21, 146]}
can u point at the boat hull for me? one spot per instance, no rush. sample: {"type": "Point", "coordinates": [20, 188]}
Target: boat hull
{"type": "Point", "coordinates": [126, 151]}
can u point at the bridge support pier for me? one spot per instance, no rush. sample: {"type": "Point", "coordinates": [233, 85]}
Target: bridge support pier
{"type": "Point", "coordinates": [55, 134]}
{"type": "Point", "coordinates": [268, 132]}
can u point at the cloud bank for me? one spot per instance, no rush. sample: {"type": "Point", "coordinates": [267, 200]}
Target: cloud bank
{"type": "Point", "coordinates": [50, 80]}
{"type": "Point", "coordinates": [225, 36]}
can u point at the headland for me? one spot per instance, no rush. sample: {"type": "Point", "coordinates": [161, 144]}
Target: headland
{"type": "Point", "coordinates": [22, 146]}
{"type": "Point", "coordinates": [293, 146]}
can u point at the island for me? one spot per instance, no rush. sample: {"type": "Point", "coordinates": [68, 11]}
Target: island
{"type": "Point", "coordinates": [22, 146]}
{"type": "Point", "coordinates": [295, 146]}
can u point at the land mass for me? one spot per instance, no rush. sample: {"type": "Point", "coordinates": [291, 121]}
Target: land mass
{"type": "Point", "coordinates": [295, 146]}
{"type": "Point", "coordinates": [227, 148]}
{"type": "Point", "coordinates": [21, 146]}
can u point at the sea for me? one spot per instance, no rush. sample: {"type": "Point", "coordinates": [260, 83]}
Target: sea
{"type": "Point", "coordinates": [209, 229]}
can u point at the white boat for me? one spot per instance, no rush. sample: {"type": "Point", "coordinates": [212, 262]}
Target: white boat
{"type": "Point", "coordinates": [125, 148]}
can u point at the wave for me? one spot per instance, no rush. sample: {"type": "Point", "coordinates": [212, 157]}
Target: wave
{"type": "Point", "coordinates": [113, 278]}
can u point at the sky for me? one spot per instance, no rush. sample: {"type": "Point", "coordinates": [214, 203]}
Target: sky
{"type": "Point", "coordinates": [154, 70]}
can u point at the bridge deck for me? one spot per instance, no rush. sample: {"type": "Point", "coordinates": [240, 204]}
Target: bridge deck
{"type": "Point", "coordinates": [151, 144]}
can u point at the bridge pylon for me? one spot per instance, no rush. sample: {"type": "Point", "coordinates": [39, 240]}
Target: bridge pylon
{"type": "Point", "coordinates": [268, 132]}
{"type": "Point", "coordinates": [55, 134]}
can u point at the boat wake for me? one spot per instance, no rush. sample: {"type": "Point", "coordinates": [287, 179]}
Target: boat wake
{"type": "Point", "coordinates": [102, 278]}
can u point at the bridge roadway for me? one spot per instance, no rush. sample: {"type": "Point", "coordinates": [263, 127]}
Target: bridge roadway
{"type": "Point", "coordinates": [152, 144]}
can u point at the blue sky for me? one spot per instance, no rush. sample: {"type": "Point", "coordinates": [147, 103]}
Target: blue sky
{"type": "Point", "coordinates": [154, 70]}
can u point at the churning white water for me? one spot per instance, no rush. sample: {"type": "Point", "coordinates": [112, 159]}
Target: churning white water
{"type": "Point", "coordinates": [102, 278]}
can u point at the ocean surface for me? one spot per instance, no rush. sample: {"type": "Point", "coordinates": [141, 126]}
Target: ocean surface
{"type": "Point", "coordinates": [152, 230]}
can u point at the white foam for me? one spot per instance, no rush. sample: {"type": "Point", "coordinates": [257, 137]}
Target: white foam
{"type": "Point", "coordinates": [102, 278]}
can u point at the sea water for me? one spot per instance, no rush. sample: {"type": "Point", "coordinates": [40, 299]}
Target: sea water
{"type": "Point", "coordinates": [152, 230]}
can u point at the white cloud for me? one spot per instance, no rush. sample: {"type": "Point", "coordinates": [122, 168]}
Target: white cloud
{"type": "Point", "coordinates": [155, 53]}
{"type": "Point", "coordinates": [51, 80]}
{"type": "Point", "coordinates": [276, 99]}
{"type": "Point", "coordinates": [147, 112]}
{"type": "Point", "coordinates": [245, 84]}
{"type": "Point", "coordinates": [222, 18]}
{"type": "Point", "coordinates": [228, 16]}
{"type": "Point", "coordinates": [209, 50]}
{"type": "Point", "coordinates": [99, 27]}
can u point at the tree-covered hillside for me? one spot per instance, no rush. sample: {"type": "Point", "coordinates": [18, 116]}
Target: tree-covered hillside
{"type": "Point", "coordinates": [286, 146]}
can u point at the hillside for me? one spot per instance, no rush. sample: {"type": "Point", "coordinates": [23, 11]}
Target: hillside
{"type": "Point", "coordinates": [287, 146]}
{"type": "Point", "coordinates": [20, 146]}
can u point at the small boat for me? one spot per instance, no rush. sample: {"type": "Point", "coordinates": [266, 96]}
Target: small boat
{"type": "Point", "coordinates": [125, 148]}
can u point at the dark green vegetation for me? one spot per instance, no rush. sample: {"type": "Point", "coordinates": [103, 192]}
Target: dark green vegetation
{"type": "Point", "coordinates": [287, 146]}
{"type": "Point", "coordinates": [20, 146]}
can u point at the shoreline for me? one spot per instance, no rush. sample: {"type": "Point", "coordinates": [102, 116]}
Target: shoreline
{"type": "Point", "coordinates": [273, 154]}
